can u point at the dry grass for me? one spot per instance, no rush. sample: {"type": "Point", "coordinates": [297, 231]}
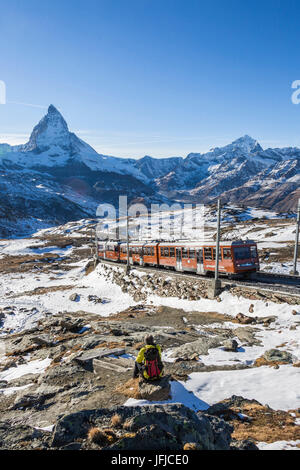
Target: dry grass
{"type": "Point", "coordinates": [110, 345]}
{"type": "Point", "coordinates": [101, 438]}
{"type": "Point", "coordinates": [190, 446]}
{"type": "Point", "coordinates": [266, 425]}
{"type": "Point", "coordinates": [116, 421]}
{"type": "Point", "coordinates": [129, 389]}
{"type": "Point", "coordinates": [127, 424]}
{"type": "Point", "coordinates": [129, 435]}
{"type": "Point", "coordinates": [261, 361]}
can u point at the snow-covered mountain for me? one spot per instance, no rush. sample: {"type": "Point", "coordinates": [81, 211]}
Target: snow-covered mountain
{"type": "Point", "coordinates": [56, 177]}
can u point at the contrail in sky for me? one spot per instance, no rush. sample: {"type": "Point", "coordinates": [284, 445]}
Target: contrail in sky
{"type": "Point", "coordinates": [28, 104]}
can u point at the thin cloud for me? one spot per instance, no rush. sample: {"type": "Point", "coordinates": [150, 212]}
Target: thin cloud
{"type": "Point", "coordinates": [28, 104]}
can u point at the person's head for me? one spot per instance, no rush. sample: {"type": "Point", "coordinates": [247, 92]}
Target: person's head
{"type": "Point", "coordinates": [149, 340]}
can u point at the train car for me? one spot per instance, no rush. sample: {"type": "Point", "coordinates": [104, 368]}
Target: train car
{"type": "Point", "coordinates": [101, 250]}
{"type": "Point", "coordinates": [140, 253]}
{"type": "Point", "coordinates": [135, 253]}
{"type": "Point", "coordinates": [109, 250]}
{"type": "Point", "coordinates": [150, 254]}
{"type": "Point", "coordinates": [236, 257]}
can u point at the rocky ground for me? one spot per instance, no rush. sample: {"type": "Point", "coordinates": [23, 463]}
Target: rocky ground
{"type": "Point", "coordinates": [70, 333]}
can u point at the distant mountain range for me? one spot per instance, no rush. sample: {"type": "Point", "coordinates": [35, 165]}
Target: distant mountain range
{"type": "Point", "coordinates": [57, 177]}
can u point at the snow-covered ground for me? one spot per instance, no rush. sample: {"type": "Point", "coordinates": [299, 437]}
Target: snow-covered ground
{"type": "Point", "coordinates": [202, 389]}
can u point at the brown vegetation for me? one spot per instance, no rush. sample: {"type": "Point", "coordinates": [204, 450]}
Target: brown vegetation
{"type": "Point", "coordinates": [129, 389]}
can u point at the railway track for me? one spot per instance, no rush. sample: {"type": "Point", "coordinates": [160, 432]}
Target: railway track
{"type": "Point", "coordinates": [260, 281]}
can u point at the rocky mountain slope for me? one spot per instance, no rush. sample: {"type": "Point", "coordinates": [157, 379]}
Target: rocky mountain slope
{"type": "Point", "coordinates": [56, 177]}
{"type": "Point", "coordinates": [69, 334]}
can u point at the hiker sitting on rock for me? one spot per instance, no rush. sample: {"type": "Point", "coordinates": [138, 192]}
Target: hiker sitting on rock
{"type": "Point", "coordinates": [148, 363]}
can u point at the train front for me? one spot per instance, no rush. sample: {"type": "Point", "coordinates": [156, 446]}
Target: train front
{"type": "Point", "coordinates": [245, 256]}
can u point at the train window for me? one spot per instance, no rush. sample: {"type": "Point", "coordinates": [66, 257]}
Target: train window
{"type": "Point", "coordinates": [253, 251]}
{"type": "Point", "coordinates": [214, 253]}
{"type": "Point", "coordinates": [242, 252]}
{"type": "Point", "coordinates": [184, 253]}
{"type": "Point", "coordinates": [192, 254]}
{"type": "Point", "coordinates": [166, 252]}
{"type": "Point", "coordinates": [207, 253]}
{"type": "Point", "coordinates": [227, 253]}
{"type": "Point", "coordinates": [172, 252]}
{"type": "Point", "coordinates": [161, 251]}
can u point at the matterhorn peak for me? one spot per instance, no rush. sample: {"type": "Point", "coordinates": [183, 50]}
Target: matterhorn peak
{"type": "Point", "coordinates": [51, 130]}
{"type": "Point", "coordinates": [53, 110]}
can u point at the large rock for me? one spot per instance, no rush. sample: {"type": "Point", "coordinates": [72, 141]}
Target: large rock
{"type": "Point", "coordinates": [158, 390]}
{"type": "Point", "coordinates": [246, 444]}
{"type": "Point", "coordinates": [69, 324]}
{"type": "Point", "coordinates": [74, 297]}
{"type": "Point", "coordinates": [246, 335]}
{"type": "Point", "coordinates": [230, 345]}
{"type": "Point", "coordinates": [201, 346]}
{"type": "Point", "coordinates": [275, 355]}
{"type": "Point", "coordinates": [151, 427]}
{"type": "Point", "coordinates": [21, 436]}
{"type": "Point", "coordinates": [43, 340]}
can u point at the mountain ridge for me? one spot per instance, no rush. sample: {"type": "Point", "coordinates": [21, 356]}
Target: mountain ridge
{"type": "Point", "coordinates": [239, 171]}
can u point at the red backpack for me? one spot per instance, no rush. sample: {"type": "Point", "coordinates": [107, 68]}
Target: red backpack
{"type": "Point", "coordinates": [153, 365]}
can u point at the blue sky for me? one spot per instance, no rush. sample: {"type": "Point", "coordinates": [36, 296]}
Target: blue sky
{"type": "Point", "coordinates": [155, 77]}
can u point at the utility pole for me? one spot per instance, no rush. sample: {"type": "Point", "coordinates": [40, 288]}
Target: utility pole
{"type": "Point", "coordinates": [127, 238]}
{"type": "Point", "coordinates": [294, 271]}
{"type": "Point", "coordinates": [96, 246]}
{"type": "Point", "coordinates": [216, 284]}
{"type": "Point", "coordinates": [218, 241]}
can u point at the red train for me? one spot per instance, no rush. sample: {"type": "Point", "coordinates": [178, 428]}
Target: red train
{"type": "Point", "coordinates": [238, 257]}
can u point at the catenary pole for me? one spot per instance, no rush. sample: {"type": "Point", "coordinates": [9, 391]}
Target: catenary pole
{"type": "Point", "coordinates": [127, 239]}
{"type": "Point", "coordinates": [294, 271]}
{"type": "Point", "coordinates": [218, 241]}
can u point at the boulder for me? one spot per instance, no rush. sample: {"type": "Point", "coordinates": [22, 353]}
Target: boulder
{"type": "Point", "coordinates": [158, 390]}
{"type": "Point", "coordinates": [245, 319]}
{"type": "Point", "coordinates": [230, 345]}
{"type": "Point", "coordinates": [246, 335]}
{"type": "Point", "coordinates": [277, 356]}
{"type": "Point", "coordinates": [71, 325]}
{"type": "Point", "coordinates": [86, 358]}
{"type": "Point", "coordinates": [74, 297]}
{"type": "Point", "coordinates": [43, 340]}
{"type": "Point", "coordinates": [246, 444]}
{"type": "Point", "coordinates": [200, 346]}
{"type": "Point", "coordinates": [19, 436]}
{"type": "Point", "coordinates": [150, 427]}
{"type": "Point", "coordinates": [95, 299]}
